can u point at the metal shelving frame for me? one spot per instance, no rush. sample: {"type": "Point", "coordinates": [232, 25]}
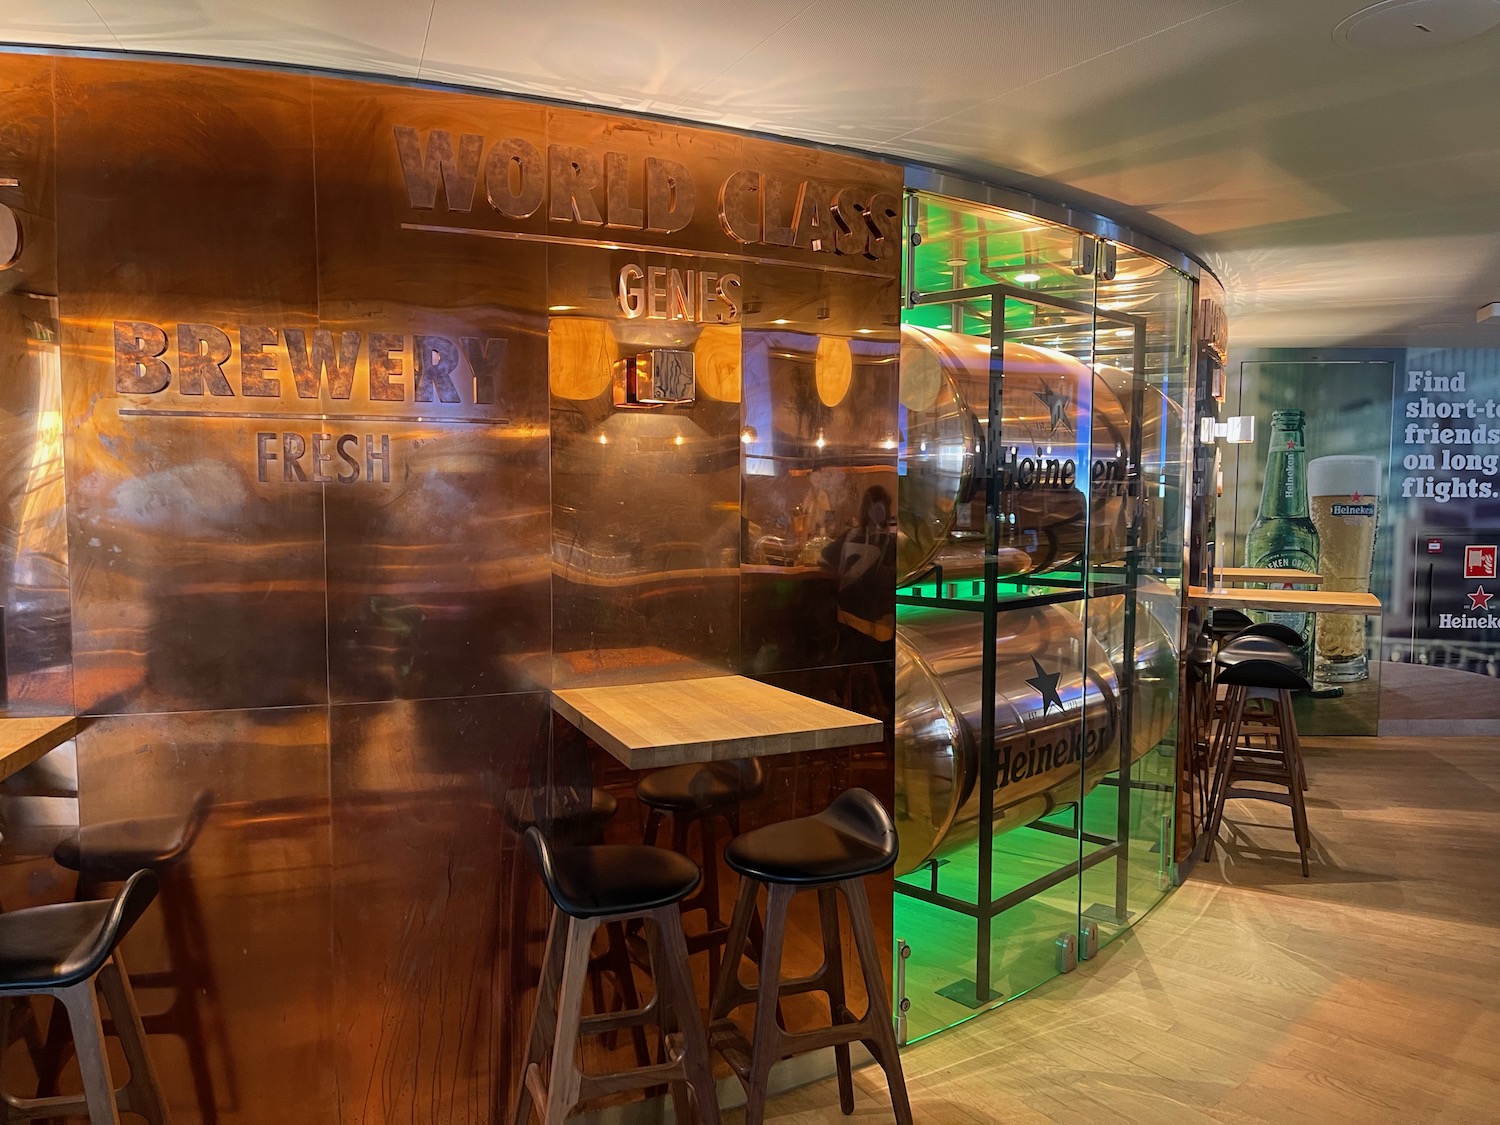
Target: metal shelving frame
{"type": "Point", "coordinates": [987, 906]}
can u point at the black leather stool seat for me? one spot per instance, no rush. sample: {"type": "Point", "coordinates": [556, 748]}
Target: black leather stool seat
{"type": "Point", "coordinates": [570, 816]}
{"type": "Point", "coordinates": [65, 943]}
{"type": "Point", "coordinates": [1275, 630]}
{"type": "Point", "coordinates": [702, 788]}
{"type": "Point", "coordinates": [1261, 662]}
{"type": "Point", "coordinates": [1228, 622]}
{"type": "Point", "coordinates": [1264, 674]}
{"type": "Point", "coordinates": [115, 849]}
{"type": "Point", "coordinates": [112, 851]}
{"type": "Point", "coordinates": [851, 838]}
{"type": "Point", "coordinates": [589, 882]}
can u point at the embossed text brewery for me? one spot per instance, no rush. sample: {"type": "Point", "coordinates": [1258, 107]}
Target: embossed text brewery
{"type": "Point", "coordinates": [443, 371]}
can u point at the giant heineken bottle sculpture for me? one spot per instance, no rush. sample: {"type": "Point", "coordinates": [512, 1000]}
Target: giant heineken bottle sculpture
{"type": "Point", "coordinates": [1283, 536]}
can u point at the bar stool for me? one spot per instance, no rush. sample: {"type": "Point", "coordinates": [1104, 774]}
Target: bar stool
{"type": "Point", "coordinates": [1223, 623]}
{"type": "Point", "coordinates": [572, 817]}
{"type": "Point", "coordinates": [701, 795]}
{"type": "Point", "coordinates": [108, 853]}
{"type": "Point", "coordinates": [1198, 666]}
{"type": "Point", "coordinates": [830, 853]}
{"type": "Point", "coordinates": [60, 951]}
{"type": "Point", "coordinates": [1263, 716]}
{"type": "Point", "coordinates": [1275, 630]}
{"type": "Point", "coordinates": [1260, 664]}
{"type": "Point", "coordinates": [595, 886]}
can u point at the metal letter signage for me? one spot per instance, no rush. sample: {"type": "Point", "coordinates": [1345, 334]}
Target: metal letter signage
{"type": "Point", "coordinates": [617, 191]}
{"type": "Point", "coordinates": [212, 370]}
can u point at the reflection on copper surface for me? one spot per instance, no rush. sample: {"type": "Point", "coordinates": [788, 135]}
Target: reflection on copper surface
{"type": "Point", "coordinates": [425, 884]}
{"type": "Point", "coordinates": [645, 522]}
{"type": "Point", "coordinates": [227, 952]}
{"type": "Point", "coordinates": [36, 644]}
{"type": "Point", "coordinates": [819, 434]}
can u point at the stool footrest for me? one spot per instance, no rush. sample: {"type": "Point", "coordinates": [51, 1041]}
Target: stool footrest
{"type": "Point", "coordinates": [657, 1074]}
{"type": "Point", "coordinates": [618, 1021]}
{"type": "Point", "coordinates": [725, 1037]}
{"type": "Point", "coordinates": [1236, 793]}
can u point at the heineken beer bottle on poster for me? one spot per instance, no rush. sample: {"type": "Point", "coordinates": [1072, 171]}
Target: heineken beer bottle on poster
{"type": "Point", "coordinates": [1283, 536]}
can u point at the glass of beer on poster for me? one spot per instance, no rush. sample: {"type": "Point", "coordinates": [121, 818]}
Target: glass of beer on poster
{"type": "Point", "coordinates": [1344, 495]}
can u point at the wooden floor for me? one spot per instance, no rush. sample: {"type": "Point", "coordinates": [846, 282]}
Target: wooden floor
{"type": "Point", "coordinates": [1367, 994]}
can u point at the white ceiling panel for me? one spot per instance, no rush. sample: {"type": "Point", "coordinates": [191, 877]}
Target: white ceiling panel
{"type": "Point", "coordinates": [61, 23]}
{"type": "Point", "coordinates": [872, 70]}
{"type": "Point", "coordinates": [1351, 194]}
{"type": "Point", "coordinates": [649, 57]}
{"type": "Point", "coordinates": [374, 36]}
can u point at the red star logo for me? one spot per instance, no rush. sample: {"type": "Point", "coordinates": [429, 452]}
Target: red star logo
{"type": "Point", "coordinates": [1479, 599]}
{"type": "Point", "coordinates": [1355, 498]}
{"type": "Point", "coordinates": [1291, 445]}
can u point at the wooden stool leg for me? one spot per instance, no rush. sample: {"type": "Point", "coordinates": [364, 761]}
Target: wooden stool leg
{"type": "Point", "coordinates": [653, 827]}
{"type": "Point", "coordinates": [142, 1093]}
{"type": "Point", "coordinates": [565, 1079]}
{"type": "Point", "coordinates": [766, 1044]}
{"type": "Point", "coordinates": [883, 1042]}
{"type": "Point", "coordinates": [88, 1044]}
{"type": "Point", "coordinates": [1294, 784]}
{"type": "Point", "coordinates": [674, 984]}
{"type": "Point", "coordinates": [729, 990]}
{"type": "Point", "coordinates": [708, 894]}
{"type": "Point", "coordinates": [833, 967]}
{"type": "Point", "coordinates": [544, 1021]}
{"type": "Point", "coordinates": [1234, 707]}
{"type": "Point", "coordinates": [617, 959]}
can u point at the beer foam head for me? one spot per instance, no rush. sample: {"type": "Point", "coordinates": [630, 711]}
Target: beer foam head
{"type": "Point", "coordinates": [1343, 476]}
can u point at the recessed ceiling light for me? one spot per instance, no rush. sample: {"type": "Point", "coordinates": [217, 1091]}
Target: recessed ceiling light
{"type": "Point", "coordinates": [1028, 278]}
{"type": "Point", "coordinates": [561, 308]}
{"type": "Point", "coordinates": [1398, 25]}
{"type": "Point", "coordinates": [781, 320]}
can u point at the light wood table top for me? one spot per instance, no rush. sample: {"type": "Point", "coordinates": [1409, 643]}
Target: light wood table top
{"type": "Point", "coordinates": [25, 739]}
{"type": "Point", "coordinates": [718, 718]}
{"type": "Point", "coordinates": [1265, 574]}
{"type": "Point", "coordinates": [1294, 601]}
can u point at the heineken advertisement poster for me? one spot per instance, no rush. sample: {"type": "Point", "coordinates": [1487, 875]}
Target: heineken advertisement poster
{"type": "Point", "coordinates": [1402, 445]}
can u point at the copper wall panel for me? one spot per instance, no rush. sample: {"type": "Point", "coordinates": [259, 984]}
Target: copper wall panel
{"type": "Point", "coordinates": [424, 871]}
{"type": "Point", "coordinates": [336, 362]}
{"type": "Point", "coordinates": [186, 198]}
{"type": "Point", "coordinates": [439, 578]}
{"type": "Point", "coordinates": [645, 502]}
{"type": "Point", "coordinates": [35, 609]}
{"type": "Point", "coordinates": [820, 438]}
{"type": "Point", "coordinates": [259, 976]}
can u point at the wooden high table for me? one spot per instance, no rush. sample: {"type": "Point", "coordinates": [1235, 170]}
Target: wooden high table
{"type": "Point", "coordinates": [1291, 601]}
{"type": "Point", "coordinates": [714, 719]}
{"type": "Point", "coordinates": [25, 739]}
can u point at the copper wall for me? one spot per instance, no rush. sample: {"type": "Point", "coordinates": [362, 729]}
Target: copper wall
{"type": "Point", "coordinates": [343, 648]}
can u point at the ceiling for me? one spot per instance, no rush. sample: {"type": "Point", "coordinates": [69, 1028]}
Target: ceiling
{"type": "Point", "coordinates": [1345, 195]}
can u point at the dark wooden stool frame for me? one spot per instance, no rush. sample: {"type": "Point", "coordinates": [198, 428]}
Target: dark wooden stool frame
{"type": "Point", "coordinates": [1279, 764]}
{"type": "Point", "coordinates": [706, 897]}
{"type": "Point", "coordinates": [559, 1023]}
{"type": "Point", "coordinates": [100, 1101]}
{"type": "Point", "coordinates": [752, 1062]}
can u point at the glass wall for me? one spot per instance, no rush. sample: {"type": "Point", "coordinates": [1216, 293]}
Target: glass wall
{"type": "Point", "coordinates": [1043, 372]}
